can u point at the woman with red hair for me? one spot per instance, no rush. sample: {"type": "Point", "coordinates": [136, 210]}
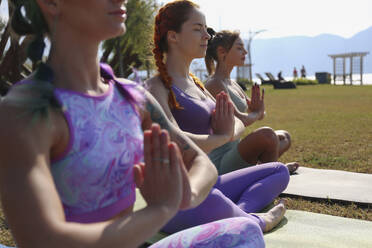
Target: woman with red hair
{"type": "Point", "coordinates": [180, 36]}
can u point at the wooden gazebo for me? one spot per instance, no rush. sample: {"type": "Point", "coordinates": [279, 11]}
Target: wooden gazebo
{"type": "Point", "coordinates": [355, 66]}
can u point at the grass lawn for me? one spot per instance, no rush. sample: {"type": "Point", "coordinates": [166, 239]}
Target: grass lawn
{"type": "Point", "coordinates": [331, 128]}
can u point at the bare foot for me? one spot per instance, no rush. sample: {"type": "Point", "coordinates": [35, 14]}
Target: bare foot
{"type": "Point", "coordinates": [274, 216]}
{"type": "Point", "coordinates": [292, 167]}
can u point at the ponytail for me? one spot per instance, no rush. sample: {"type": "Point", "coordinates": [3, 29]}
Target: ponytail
{"type": "Point", "coordinates": [209, 63]}
{"type": "Point", "coordinates": [223, 39]}
{"type": "Point", "coordinates": [211, 55]}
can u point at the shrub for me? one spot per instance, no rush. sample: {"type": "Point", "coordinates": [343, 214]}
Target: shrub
{"type": "Point", "coordinates": [305, 81]}
{"type": "Point", "coordinates": [244, 81]}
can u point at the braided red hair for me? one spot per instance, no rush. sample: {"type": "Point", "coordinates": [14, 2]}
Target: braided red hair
{"type": "Point", "coordinates": [170, 17]}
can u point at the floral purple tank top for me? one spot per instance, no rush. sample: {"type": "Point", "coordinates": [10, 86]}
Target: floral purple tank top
{"type": "Point", "coordinates": [94, 177]}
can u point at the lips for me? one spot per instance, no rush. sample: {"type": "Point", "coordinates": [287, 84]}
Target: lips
{"type": "Point", "coordinates": [119, 12]}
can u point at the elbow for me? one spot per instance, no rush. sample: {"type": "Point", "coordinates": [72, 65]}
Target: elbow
{"type": "Point", "coordinates": [213, 172]}
{"type": "Point", "coordinates": [239, 128]}
{"type": "Point", "coordinates": [203, 183]}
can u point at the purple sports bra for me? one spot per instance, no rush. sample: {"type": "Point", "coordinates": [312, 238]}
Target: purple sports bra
{"type": "Point", "coordinates": [195, 117]}
{"type": "Point", "coordinates": [94, 176]}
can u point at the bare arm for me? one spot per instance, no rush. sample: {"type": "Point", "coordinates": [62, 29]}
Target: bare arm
{"type": "Point", "coordinates": [201, 172]}
{"type": "Point", "coordinates": [206, 142]}
{"type": "Point", "coordinates": [31, 202]}
{"type": "Point", "coordinates": [215, 86]}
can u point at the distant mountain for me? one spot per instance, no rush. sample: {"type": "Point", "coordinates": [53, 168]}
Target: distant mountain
{"type": "Point", "coordinates": [273, 55]}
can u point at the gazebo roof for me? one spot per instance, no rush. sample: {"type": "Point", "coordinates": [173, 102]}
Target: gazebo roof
{"type": "Point", "coordinates": [348, 55]}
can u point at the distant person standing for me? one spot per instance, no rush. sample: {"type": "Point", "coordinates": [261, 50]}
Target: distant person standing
{"type": "Point", "coordinates": [295, 75]}
{"type": "Point", "coordinates": [303, 72]}
{"type": "Point", "coordinates": [280, 77]}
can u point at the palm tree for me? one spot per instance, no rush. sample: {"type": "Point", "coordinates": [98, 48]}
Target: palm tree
{"type": "Point", "coordinates": [133, 49]}
{"type": "Point", "coordinates": [122, 53]}
{"type": "Point", "coordinates": [13, 57]}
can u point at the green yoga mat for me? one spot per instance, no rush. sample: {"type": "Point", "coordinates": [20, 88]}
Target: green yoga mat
{"type": "Point", "coordinates": [301, 229]}
{"type": "Point", "coordinates": [331, 184]}
{"type": "Point", "coordinates": [140, 202]}
{"type": "Point", "coordinates": [305, 230]}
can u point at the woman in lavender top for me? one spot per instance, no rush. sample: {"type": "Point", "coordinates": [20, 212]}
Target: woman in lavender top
{"type": "Point", "coordinates": [72, 144]}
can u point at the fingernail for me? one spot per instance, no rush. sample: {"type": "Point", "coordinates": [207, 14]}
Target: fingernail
{"type": "Point", "coordinates": [163, 134]}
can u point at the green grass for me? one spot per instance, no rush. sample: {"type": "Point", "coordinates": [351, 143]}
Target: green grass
{"type": "Point", "coordinates": [331, 128]}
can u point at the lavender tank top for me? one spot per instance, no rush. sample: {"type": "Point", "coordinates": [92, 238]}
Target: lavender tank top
{"type": "Point", "coordinates": [94, 176]}
{"type": "Point", "coordinates": [195, 117]}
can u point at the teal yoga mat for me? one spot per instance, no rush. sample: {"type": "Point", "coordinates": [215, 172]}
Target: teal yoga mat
{"type": "Point", "coordinates": [331, 184]}
{"type": "Point", "coordinates": [305, 230]}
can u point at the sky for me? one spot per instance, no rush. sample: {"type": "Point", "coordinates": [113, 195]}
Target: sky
{"type": "Point", "coordinates": [281, 18]}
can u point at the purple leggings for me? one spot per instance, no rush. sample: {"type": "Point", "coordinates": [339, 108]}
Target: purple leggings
{"type": "Point", "coordinates": [236, 194]}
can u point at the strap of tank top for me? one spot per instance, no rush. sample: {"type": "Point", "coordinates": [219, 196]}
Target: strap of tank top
{"type": "Point", "coordinates": [106, 71]}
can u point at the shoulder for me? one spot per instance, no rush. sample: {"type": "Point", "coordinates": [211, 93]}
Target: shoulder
{"type": "Point", "coordinates": [32, 94]}
{"type": "Point", "coordinates": [21, 127]}
{"type": "Point", "coordinates": [155, 84]}
{"type": "Point", "coordinates": [128, 84]}
{"type": "Point", "coordinates": [29, 116]}
{"type": "Point", "coordinates": [214, 83]}
{"type": "Point", "coordinates": [21, 88]}
{"type": "Point", "coordinates": [156, 87]}
{"type": "Point", "coordinates": [126, 81]}
{"type": "Point", "coordinates": [239, 88]}
{"type": "Point", "coordinates": [214, 86]}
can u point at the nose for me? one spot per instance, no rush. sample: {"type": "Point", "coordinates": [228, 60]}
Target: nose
{"type": "Point", "coordinates": [207, 36]}
{"type": "Point", "coordinates": [245, 52]}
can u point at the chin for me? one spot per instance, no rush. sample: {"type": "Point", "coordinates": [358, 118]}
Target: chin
{"type": "Point", "coordinates": [117, 31]}
{"type": "Point", "coordinates": [201, 55]}
{"type": "Point", "coordinates": [121, 29]}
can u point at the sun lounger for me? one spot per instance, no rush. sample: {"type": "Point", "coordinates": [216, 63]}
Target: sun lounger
{"type": "Point", "coordinates": [271, 77]}
{"type": "Point", "coordinates": [263, 81]}
{"type": "Point", "coordinates": [280, 84]}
